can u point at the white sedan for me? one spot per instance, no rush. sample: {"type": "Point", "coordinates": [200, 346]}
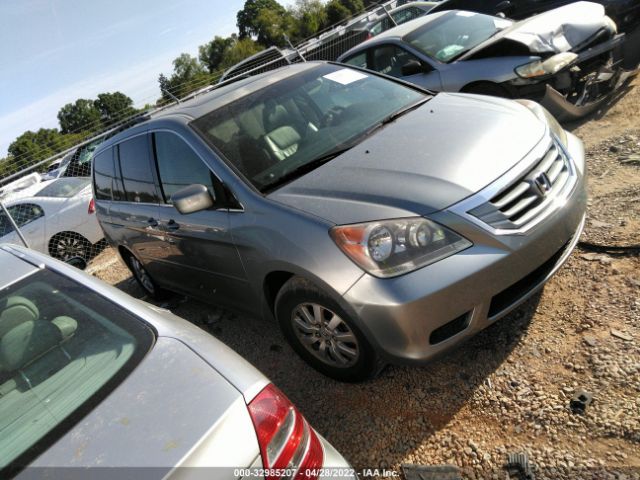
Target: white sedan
{"type": "Point", "coordinates": [58, 219]}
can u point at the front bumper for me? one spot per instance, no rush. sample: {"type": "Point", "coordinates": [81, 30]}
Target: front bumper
{"type": "Point", "coordinates": [412, 318]}
{"type": "Point", "coordinates": [558, 92]}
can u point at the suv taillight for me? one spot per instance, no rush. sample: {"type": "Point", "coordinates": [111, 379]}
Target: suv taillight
{"type": "Point", "coordinates": [286, 439]}
{"type": "Point", "coordinates": [92, 207]}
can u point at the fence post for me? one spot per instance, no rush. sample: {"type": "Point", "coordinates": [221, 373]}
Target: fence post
{"type": "Point", "coordinates": [13, 223]}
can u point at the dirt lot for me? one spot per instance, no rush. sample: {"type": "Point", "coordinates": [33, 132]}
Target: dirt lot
{"type": "Point", "coordinates": [507, 389]}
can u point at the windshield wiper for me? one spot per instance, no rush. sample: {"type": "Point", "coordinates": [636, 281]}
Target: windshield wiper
{"type": "Point", "coordinates": [305, 168]}
{"type": "Point", "coordinates": [402, 111]}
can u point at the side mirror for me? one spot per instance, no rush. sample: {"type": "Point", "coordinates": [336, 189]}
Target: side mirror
{"type": "Point", "coordinates": [503, 6]}
{"type": "Point", "coordinates": [413, 67]}
{"type": "Point", "coordinates": [193, 198]}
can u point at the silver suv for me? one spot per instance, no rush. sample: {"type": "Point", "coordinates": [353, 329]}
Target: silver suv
{"type": "Point", "coordinates": [375, 221]}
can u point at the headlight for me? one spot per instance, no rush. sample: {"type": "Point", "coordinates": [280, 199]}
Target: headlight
{"type": "Point", "coordinates": [546, 117]}
{"type": "Point", "coordinates": [392, 247]}
{"type": "Point", "coordinates": [550, 66]}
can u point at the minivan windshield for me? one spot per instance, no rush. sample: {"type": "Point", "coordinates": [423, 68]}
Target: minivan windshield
{"type": "Point", "coordinates": [454, 34]}
{"type": "Point", "coordinates": [290, 127]}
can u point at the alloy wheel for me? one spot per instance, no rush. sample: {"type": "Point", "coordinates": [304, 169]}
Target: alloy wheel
{"type": "Point", "coordinates": [70, 246]}
{"type": "Point", "coordinates": [325, 335]}
{"type": "Point", "coordinates": [142, 276]}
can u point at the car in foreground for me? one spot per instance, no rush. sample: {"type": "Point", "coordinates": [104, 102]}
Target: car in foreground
{"type": "Point", "coordinates": [94, 382]}
{"type": "Point", "coordinates": [567, 59]}
{"type": "Point", "coordinates": [375, 221]}
{"type": "Point", "coordinates": [58, 218]}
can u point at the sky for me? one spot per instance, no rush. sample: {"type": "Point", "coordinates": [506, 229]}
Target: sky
{"type": "Point", "coordinates": [55, 51]}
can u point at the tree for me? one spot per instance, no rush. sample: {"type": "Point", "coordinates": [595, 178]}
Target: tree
{"type": "Point", "coordinates": [241, 49]}
{"type": "Point", "coordinates": [273, 27]}
{"type": "Point", "coordinates": [211, 54]}
{"type": "Point", "coordinates": [310, 17]}
{"type": "Point", "coordinates": [32, 147]}
{"type": "Point", "coordinates": [248, 19]}
{"type": "Point", "coordinates": [337, 12]}
{"type": "Point", "coordinates": [354, 6]}
{"type": "Point", "coordinates": [188, 75]}
{"type": "Point", "coordinates": [82, 115]}
{"type": "Point", "coordinates": [114, 107]}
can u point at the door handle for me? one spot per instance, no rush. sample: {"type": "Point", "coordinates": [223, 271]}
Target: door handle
{"type": "Point", "coordinates": [172, 225]}
{"type": "Point", "coordinates": [152, 222]}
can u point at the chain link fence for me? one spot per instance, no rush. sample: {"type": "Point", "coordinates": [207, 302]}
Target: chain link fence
{"type": "Point", "coordinates": [47, 204]}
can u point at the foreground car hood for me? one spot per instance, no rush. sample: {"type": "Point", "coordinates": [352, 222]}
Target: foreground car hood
{"type": "Point", "coordinates": [558, 30]}
{"type": "Point", "coordinates": [429, 159]}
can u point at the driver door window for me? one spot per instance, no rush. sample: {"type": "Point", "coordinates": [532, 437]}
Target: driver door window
{"type": "Point", "coordinates": [389, 59]}
{"type": "Point", "coordinates": [179, 166]}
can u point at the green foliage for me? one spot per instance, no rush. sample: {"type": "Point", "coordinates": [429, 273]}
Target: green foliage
{"type": "Point", "coordinates": [310, 16]}
{"type": "Point", "coordinates": [240, 50]}
{"type": "Point", "coordinates": [32, 147]}
{"type": "Point", "coordinates": [212, 54]}
{"type": "Point", "coordinates": [250, 24]}
{"type": "Point", "coordinates": [188, 76]}
{"type": "Point", "coordinates": [354, 6]}
{"type": "Point", "coordinates": [337, 12]}
{"type": "Point", "coordinates": [114, 107]}
{"type": "Point", "coordinates": [273, 27]}
{"type": "Point", "coordinates": [82, 115]}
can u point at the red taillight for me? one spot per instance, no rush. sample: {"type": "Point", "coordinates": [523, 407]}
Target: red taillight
{"type": "Point", "coordinates": [92, 207]}
{"type": "Point", "coordinates": [286, 439]}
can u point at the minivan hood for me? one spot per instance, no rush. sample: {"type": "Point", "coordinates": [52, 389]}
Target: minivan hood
{"type": "Point", "coordinates": [433, 157]}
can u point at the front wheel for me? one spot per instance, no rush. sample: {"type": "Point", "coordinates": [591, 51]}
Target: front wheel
{"type": "Point", "coordinates": [322, 333]}
{"type": "Point", "coordinates": [144, 279]}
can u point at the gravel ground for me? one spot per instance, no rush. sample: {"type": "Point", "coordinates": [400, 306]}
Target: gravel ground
{"type": "Point", "coordinates": [507, 389]}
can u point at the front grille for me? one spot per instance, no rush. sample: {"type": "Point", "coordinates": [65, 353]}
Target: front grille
{"type": "Point", "coordinates": [525, 200]}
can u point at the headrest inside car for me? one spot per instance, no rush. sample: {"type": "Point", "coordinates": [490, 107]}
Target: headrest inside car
{"type": "Point", "coordinates": [15, 311]}
{"type": "Point", "coordinates": [30, 340]}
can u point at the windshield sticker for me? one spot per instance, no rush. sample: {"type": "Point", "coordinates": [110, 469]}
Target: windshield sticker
{"type": "Point", "coordinates": [345, 76]}
{"type": "Point", "coordinates": [466, 14]}
{"type": "Point", "coordinates": [501, 23]}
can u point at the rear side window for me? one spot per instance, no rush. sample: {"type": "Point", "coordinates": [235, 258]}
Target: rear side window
{"type": "Point", "coordinates": [23, 214]}
{"type": "Point", "coordinates": [64, 187]}
{"type": "Point", "coordinates": [103, 174]}
{"type": "Point", "coordinates": [358, 60]}
{"type": "Point", "coordinates": [63, 348]}
{"type": "Point", "coordinates": [407, 14]}
{"type": "Point", "coordinates": [135, 166]}
{"type": "Point", "coordinates": [179, 166]}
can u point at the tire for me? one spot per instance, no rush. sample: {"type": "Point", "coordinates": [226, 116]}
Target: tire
{"type": "Point", "coordinates": [347, 355]}
{"type": "Point", "coordinates": [148, 284]}
{"type": "Point", "coordinates": [487, 88]}
{"type": "Point", "coordinates": [67, 245]}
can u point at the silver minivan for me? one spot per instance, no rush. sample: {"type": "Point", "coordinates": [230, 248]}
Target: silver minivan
{"type": "Point", "coordinates": [376, 221]}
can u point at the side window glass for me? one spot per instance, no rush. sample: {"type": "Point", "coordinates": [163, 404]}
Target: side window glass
{"type": "Point", "coordinates": [103, 174]}
{"type": "Point", "coordinates": [25, 213]}
{"type": "Point", "coordinates": [5, 225]}
{"type": "Point", "coordinates": [135, 167]}
{"type": "Point", "coordinates": [358, 60]}
{"type": "Point", "coordinates": [390, 59]}
{"type": "Point", "coordinates": [179, 166]}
